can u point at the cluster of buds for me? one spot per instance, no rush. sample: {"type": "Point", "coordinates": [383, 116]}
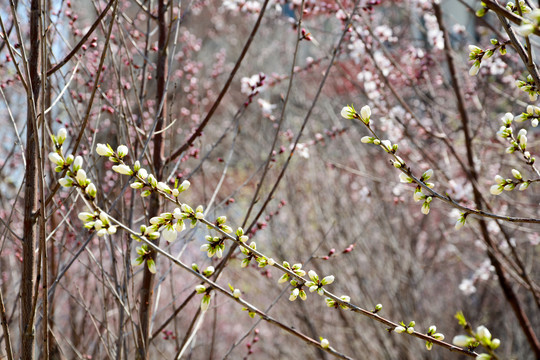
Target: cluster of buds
{"type": "Point", "coordinates": [348, 112]}
{"type": "Point", "coordinates": [531, 24]}
{"type": "Point", "coordinates": [509, 184]}
{"type": "Point", "coordinates": [482, 336]}
{"type": "Point", "coordinates": [519, 8]}
{"type": "Point", "coordinates": [205, 301]}
{"type": "Point", "coordinates": [518, 143]}
{"type": "Point", "coordinates": [170, 223]}
{"type": "Point", "coordinates": [220, 224]}
{"type": "Point", "coordinates": [98, 222]}
{"type": "Point", "coordinates": [149, 183]}
{"type": "Point", "coordinates": [316, 284]}
{"type": "Point", "coordinates": [418, 195]}
{"type": "Point", "coordinates": [252, 86]}
{"type": "Point", "coordinates": [215, 246]}
{"type": "Point", "coordinates": [206, 272]}
{"type": "Point", "coordinates": [432, 332]}
{"type": "Point", "coordinates": [532, 114]}
{"type": "Point", "coordinates": [529, 87]}
{"type": "Point", "coordinates": [249, 255]}
{"type": "Point", "coordinates": [262, 261]}
{"type": "Point", "coordinates": [476, 54]}
{"type": "Point", "coordinates": [297, 291]}
{"type": "Point", "coordinates": [401, 328]}
{"type": "Point", "coordinates": [144, 180]}
{"type": "Point", "coordinates": [75, 175]}
{"type": "Point", "coordinates": [336, 304]}
{"type": "Point", "coordinates": [386, 145]}
{"type": "Point", "coordinates": [296, 268]}
{"type": "Point", "coordinates": [145, 255]}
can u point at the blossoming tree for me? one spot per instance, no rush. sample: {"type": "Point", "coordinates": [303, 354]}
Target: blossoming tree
{"type": "Point", "coordinates": [185, 179]}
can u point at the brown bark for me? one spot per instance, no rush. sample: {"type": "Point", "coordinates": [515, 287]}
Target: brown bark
{"type": "Point", "coordinates": [30, 190]}
{"type": "Point", "coordinates": [147, 287]}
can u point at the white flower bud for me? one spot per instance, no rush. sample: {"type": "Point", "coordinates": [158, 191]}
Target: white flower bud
{"type": "Point", "coordinates": [348, 112]}
{"type": "Point", "coordinates": [103, 150]}
{"type": "Point", "coordinates": [427, 174]}
{"type": "Point", "coordinates": [294, 294]}
{"type": "Point", "coordinates": [61, 136]}
{"type": "Point", "coordinates": [77, 163]}
{"type": "Point", "coordinates": [102, 232]}
{"type": "Point", "coordinates": [169, 234]}
{"type": "Point", "coordinates": [122, 151]}
{"type": "Point", "coordinates": [365, 113]}
{"type": "Point", "coordinates": [142, 173]}
{"type": "Point", "coordinates": [91, 190]}
{"type": "Point", "coordinates": [237, 293]}
{"type": "Point", "coordinates": [184, 186]}
{"type": "Point", "coordinates": [474, 49]}
{"type": "Point", "coordinates": [404, 178]}
{"type": "Point", "coordinates": [386, 144]}
{"type": "Point", "coordinates": [325, 344]}
{"type": "Point", "coordinates": [65, 182]}
{"type": "Point", "coordinates": [496, 189]}
{"type": "Point", "coordinates": [327, 280]}
{"type": "Point", "coordinates": [438, 336]}
{"type": "Point", "coordinates": [473, 71]}
{"type": "Point", "coordinates": [86, 216]}
{"type": "Point", "coordinates": [81, 177]}
{"type": "Point", "coordinates": [136, 185]}
{"type": "Point", "coordinates": [367, 139]}
{"type": "Point", "coordinates": [524, 186]}
{"type": "Point", "coordinates": [163, 187]}
{"type": "Point", "coordinates": [399, 329]}
{"type": "Point", "coordinates": [122, 169]}
{"type": "Point", "coordinates": [461, 340]}
{"type": "Point", "coordinates": [483, 333]}
{"type": "Point", "coordinates": [56, 159]}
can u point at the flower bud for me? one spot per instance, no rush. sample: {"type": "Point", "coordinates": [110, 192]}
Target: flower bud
{"type": "Point", "coordinates": [348, 112]}
{"type": "Point", "coordinates": [77, 163]}
{"type": "Point", "coordinates": [122, 169]}
{"type": "Point", "coordinates": [365, 114]}
{"type": "Point", "coordinates": [325, 344]}
{"type": "Point", "coordinates": [61, 136]}
{"type": "Point", "coordinates": [56, 159]}
{"type": "Point", "coordinates": [81, 177]}
{"type": "Point", "coordinates": [461, 340]}
{"type": "Point", "coordinates": [122, 151]}
{"type": "Point", "coordinates": [104, 150]}
{"type": "Point", "coordinates": [91, 190]}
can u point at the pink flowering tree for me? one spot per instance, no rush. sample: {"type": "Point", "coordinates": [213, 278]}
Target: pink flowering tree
{"type": "Point", "coordinates": [187, 179]}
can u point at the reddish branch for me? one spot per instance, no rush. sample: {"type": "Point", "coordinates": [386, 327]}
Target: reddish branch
{"type": "Point", "coordinates": [83, 40]}
{"type": "Point", "coordinates": [203, 124]}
